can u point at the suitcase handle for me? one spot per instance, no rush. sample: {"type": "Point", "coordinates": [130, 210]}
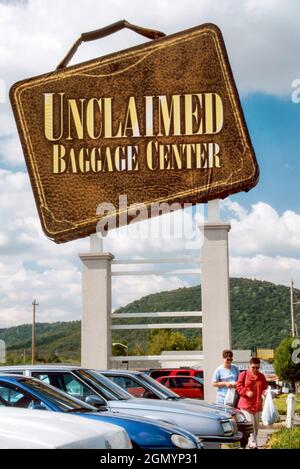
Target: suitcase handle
{"type": "Point", "coordinates": [106, 31]}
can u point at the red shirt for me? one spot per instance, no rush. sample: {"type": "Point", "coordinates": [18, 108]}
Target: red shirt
{"type": "Point", "coordinates": [247, 381]}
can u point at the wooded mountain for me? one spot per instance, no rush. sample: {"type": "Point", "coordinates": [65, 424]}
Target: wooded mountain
{"type": "Point", "coordinates": [260, 313]}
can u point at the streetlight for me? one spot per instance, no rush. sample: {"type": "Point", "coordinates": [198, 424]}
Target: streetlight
{"type": "Point", "coordinates": [126, 348]}
{"type": "Point", "coordinates": [34, 305]}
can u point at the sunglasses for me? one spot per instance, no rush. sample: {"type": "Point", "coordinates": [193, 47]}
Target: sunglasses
{"type": "Point", "coordinates": [255, 367]}
{"type": "Point", "coordinates": [229, 358]}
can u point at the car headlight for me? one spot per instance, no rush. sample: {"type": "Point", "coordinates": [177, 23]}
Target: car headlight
{"type": "Point", "coordinates": [182, 441]}
{"type": "Point", "coordinates": [240, 417]}
{"type": "Point", "coordinates": [227, 426]}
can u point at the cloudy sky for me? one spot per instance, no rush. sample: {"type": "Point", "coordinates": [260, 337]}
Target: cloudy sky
{"type": "Point", "coordinates": [262, 38]}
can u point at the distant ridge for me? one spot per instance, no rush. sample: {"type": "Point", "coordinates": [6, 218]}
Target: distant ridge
{"type": "Point", "coordinates": [260, 315]}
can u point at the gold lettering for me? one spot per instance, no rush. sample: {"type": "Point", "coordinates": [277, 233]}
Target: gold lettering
{"type": "Point", "coordinates": [108, 120]}
{"type": "Point", "coordinates": [149, 116]}
{"type": "Point", "coordinates": [150, 156]}
{"type": "Point", "coordinates": [49, 117]}
{"type": "Point", "coordinates": [77, 116]}
{"type": "Point", "coordinates": [59, 164]}
{"type": "Point", "coordinates": [169, 114]}
{"type": "Point", "coordinates": [91, 118]}
{"type": "Point", "coordinates": [131, 116]}
{"type": "Point", "coordinates": [214, 116]}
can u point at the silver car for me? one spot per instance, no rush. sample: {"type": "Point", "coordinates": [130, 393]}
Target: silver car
{"type": "Point", "coordinates": [213, 426]}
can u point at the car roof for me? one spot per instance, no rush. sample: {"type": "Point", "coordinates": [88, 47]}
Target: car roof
{"type": "Point", "coordinates": [11, 376]}
{"type": "Point", "coordinates": [40, 367]}
{"type": "Point", "coordinates": [121, 372]}
{"type": "Point", "coordinates": [178, 376]}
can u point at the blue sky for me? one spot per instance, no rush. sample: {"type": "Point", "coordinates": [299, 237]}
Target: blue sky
{"type": "Point", "coordinates": [262, 39]}
{"type": "Point", "coordinates": [274, 126]}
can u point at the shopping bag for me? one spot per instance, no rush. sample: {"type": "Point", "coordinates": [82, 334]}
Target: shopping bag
{"type": "Point", "coordinates": [270, 413]}
{"type": "Point", "coordinates": [231, 397]}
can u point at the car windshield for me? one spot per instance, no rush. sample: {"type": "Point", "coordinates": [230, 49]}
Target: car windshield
{"type": "Point", "coordinates": [108, 389]}
{"type": "Point", "coordinates": [159, 387]}
{"type": "Point", "coordinates": [58, 398]}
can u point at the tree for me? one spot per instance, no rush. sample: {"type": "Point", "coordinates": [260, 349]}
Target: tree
{"type": "Point", "coordinates": [165, 339]}
{"type": "Point", "coordinates": [285, 368]}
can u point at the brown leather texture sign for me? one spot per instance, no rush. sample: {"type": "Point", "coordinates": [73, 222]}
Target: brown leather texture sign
{"type": "Point", "coordinates": [161, 122]}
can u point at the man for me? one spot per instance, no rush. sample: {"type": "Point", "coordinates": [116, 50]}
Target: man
{"type": "Point", "coordinates": [251, 386]}
{"type": "Point", "coordinates": [225, 376]}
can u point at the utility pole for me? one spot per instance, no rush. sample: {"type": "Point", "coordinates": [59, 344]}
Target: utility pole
{"type": "Point", "coordinates": [34, 305]}
{"type": "Point", "coordinates": [293, 310]}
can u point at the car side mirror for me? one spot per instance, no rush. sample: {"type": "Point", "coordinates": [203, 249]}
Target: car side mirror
{"type": "Point", "coordinates": [96, 401]}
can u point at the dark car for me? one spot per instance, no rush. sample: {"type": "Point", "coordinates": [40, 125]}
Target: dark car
{"type": "Point", "coordinates": [30, 393]}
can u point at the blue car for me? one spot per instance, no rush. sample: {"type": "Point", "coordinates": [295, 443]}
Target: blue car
{"type": "Point", "coordinates": [30, 393]}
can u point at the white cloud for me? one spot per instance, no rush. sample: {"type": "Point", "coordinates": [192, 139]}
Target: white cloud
{"type": "Point", "coordinates": [263, 244]}
{"type": "Point", "coordinates": [262, 38]}
{"type": "Point", "coordinates": [262, 41]}
{"type": "Point", "coordinates": [127, 289]}
{"type": "Point", "coordinates": [263, 230]}
{"type": "Point", "coordinates": [278, 269]}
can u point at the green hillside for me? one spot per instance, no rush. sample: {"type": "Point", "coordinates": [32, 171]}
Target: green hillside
{"type": "Point", "coordinates": [260, 318]}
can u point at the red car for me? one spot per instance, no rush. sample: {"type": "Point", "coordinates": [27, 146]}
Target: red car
{"type": "Point", "coordinates": [158, 372]}
{"type": "Point", "coordinates": [184, 386]}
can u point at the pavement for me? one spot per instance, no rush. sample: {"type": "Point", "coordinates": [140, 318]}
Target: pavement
{"type": "Point", "coordinates": [264, 434]}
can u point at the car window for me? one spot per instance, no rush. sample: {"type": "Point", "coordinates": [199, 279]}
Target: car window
{"type": "Point", "coordinates": [106, 388]}
{"type": "Point", "coordinates": [163, 380]}
{"type": "Point", "coordinates": [130, 385]}
{"type": "Point", "coordinates": [15, 398]}
{"type": "Point", "coordinates": [74, 387]}
{"type": "Point", "coordinates": [158, 373]}
{"type": "Point", "coordinates": [66, 382]}
{"type": "Point", "coordinates": [43, 377]}
{"type": "Point", "coordinates": [55, 396]}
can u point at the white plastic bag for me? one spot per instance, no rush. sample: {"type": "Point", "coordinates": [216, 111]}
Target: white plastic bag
{"type": "Point", "coordinates": [231, 397]}
{"type": "Point", "coordinates": [270, 413]}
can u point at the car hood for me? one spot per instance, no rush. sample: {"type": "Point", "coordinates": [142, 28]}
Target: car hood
{"type": "Point", "coordinates": [175, 407]}
{"type": "Point", "coordinates": [38, 429]}
{"type": "Point", "coordinates": [209, 405]}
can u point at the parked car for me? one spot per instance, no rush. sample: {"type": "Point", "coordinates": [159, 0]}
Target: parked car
{"type": "Point", "coordinates": [138, 382]}
{"type": "Point", "coordinates": [211, 425]}
{"type": "Point", "coordinates": [184, 386]}
{"type": "Point", "coordinates": [158, 372]}
{"type": "Point", "coordinates": [146, 434]}
{"type": "Point", "coordinates": [25, 429]}
{"type": "Point", "coordinates": [276, 390]}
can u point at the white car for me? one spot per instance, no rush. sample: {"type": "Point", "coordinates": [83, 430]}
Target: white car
{"type": "Point", "coordinates": [38, 429]}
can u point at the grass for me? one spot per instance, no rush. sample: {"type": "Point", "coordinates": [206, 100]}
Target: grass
{"type": "Point", "coordinates": [280, 403]}
{"type": "Point", "coordinates": [286, 438]}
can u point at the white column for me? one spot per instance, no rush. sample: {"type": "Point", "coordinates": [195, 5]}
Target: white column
{"type": "Point", "coordinates": [96, 309]}
{"type": "Point", "coordinates": [216, 332]}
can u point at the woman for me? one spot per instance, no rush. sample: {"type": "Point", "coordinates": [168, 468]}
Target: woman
{"type": "Point", "coordinates": [225, 376]}
{"type": "Point", "coordinates": [251, 386]}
